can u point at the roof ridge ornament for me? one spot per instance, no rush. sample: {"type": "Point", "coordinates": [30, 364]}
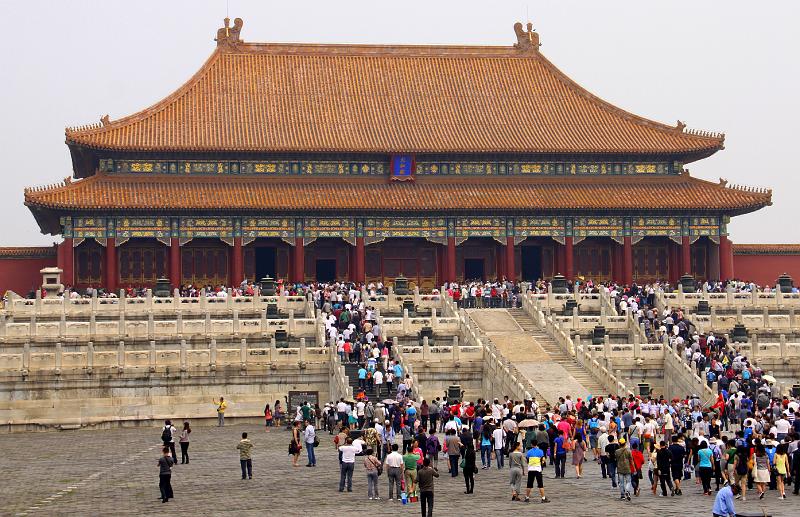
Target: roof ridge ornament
{"type": "Point", "coordinates": [526, 39]}
{"type": "Point", "coordinates": [228, 36]}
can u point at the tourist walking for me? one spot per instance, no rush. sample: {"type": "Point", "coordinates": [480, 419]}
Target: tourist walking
{"type": "Point", "coordinates": [348, 451]}
{"type": "Point", "coordinates": [425, 479]}
{"type": "Point", "coordinates": [410, 460]}
{"type": "Point", "coordinates": [168, 437]}
{"type": "Point", "coordinates": [394, 471]}
{"type": "Point", "coordinates": [536, 461]}
{"type": "Point", "coordinates": [782, 468]}
{"type": "Point", "coordinates": [268, 417]}
{"type": "Point", "coordinates": [516, 464]}
{"type": "Point", "coordinates": [310, 439]}
{"type": "Point", "coordinates": [296, 445]}
{"type": "Point", "coordinates": [468, 467]}
{"type": "Point", "coordinates": [245, 448]}
{"type": "Point", "coordinates": [453, 445]}
{"type": "Point", "coordinates": [221, 406]}
{"type": "Point", "coordinates": [165, 475]}
{"type": "Point", "coordinates": [374, 469]}
{"type": "Point", "coordinates": [578, 454]}
{"type": "Point", "coordinates": [184, 441]}
{"type": "Point", "coordinates": [625, 468]}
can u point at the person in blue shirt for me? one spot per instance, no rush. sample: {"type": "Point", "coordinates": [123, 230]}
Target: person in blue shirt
{"type": "Point", "coordinates": [561, 456]}
{"type": "Point", "coordinates": [398, 371]}
{"type": "Point", "coordinates": [723, 503]}
{"type": "Point", "coordinates": [362, 377]}
{"type": "Point", "coordinates": [705, 467]}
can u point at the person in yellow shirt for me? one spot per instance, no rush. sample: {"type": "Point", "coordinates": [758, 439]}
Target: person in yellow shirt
{"type": "Point", "coordinates": [221, 405]}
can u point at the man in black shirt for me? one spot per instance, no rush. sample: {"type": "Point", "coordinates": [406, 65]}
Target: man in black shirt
{"type": "Point", "coordinates": [678, 454]}
{"type": "Point", "coordinates": [165, 475]}
{"type": "Point", "coordinates": [664, 465]}
{"type": "Point", "coordinates": [611, 459]}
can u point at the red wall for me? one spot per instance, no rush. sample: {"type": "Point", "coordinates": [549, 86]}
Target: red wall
{"type": "Point", "coordinates": [765, 269]}
{"type": "Point", "coordinates": [20, 274]}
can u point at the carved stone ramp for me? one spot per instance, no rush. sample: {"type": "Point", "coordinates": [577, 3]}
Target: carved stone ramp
{"type": "Point", "coordinates": [531, 356]}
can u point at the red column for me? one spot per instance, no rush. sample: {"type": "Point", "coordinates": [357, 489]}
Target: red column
{"type": "Point", "coordinates": [451, 259]}
{"type": "Point", "coordinates": [175, 263]}
{"type": "Point", "coordinates": [299, 260]}
{"type": "Point", "coordinates": [627, 260]}
{"type": "Point", "coordinates": [686, 256]}
{"type": "Point", "coordinates": [66, 258]}
{"type": "Point", "coordinates": [725, 258]}
{"type": "Point", "coordinates": [616, 265]}
{"type": "Point", "coordinates": [360, 255]}
{"type": "Point", "coordinates": [111, 264]}
{"type": "Point", "coordinates": [511, 273]}
{"type": "Point", "coordinates": [672, 252]}
{"type": "Point", "coordinates": [499, 261]}
{"type": "Point", "coordinates": [568, 257]}
{"type": "Point", "coordinates": [560, 266]}
{"type": "Point", "coordinates": [238, 262]}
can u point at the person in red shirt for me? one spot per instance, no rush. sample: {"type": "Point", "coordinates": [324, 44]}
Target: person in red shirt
{"type": "Point", "coordinates": [638, 461]}
{"type": "Point", "coordinates": [470, 414]}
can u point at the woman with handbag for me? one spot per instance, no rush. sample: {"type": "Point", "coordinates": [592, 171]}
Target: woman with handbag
{"type": "Point", "coordinates": [374, 469]}
{"type": "Point", "coordinates": [295, 446]}
{"type": "Point", "coordinates": [761, 471]}
{"type": "Point", "coordinates": [469, 467]}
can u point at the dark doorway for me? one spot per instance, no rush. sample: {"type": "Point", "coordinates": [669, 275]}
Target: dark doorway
{"type": "Point", "coordinates": [473, 269]}
{"type": "Point", "coordinates": [265, 263]}
{"type": "Point", "coordinates": [326, 270]}
{"type": "Point", "coordinates": [531, 263]}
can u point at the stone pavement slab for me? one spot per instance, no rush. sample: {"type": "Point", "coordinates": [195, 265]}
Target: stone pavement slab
{"type": "Point", "coordinates": [113, 472]}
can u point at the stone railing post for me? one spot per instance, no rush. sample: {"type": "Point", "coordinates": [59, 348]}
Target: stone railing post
{"type": "Point", "coordinates": [32, 326]}
{"type": "Point", "coordinates": [434, 318]}
{"type": "Point", "coordinates": [151, 325]}
{"type": "Point", "coordinates": [37, 302]}
{"type": "Point", "coordinates": [273, 349]}
{"type": "Point", "coordinates": [59, 357]}
{"type": "Point", "coordinates": [243, 353]}
{"type": "Point", "coordinates": [456, 349]}
{"type": "Point", "coordinates": [575, 322]}
{"type": "Point", "coordinates": [791, 317]}
{"type": "Point", "coordinates": [235, 321]}
{"type": "Point", "coordinates": [179, 322]}
{"type": "Point", "coordinates": [208, 323]}
{"type": "Point", "coordinates": [637, 347]}
{"type": "Point", "coordinates": [148, 296]}
{"type": "Point", "coordinates": [152, 356]}
{"type": "Point", "coordinates": [229, 298]}
{"type": "Point", "coordinates": [212, 355]}
{"type": "Point", "coordinates": [292, 326]}
{"type": "Point", "coordinates": [203, 300]}
{"type": "Point", "coordinates": [92, 325]}
{"type": "Point", "coordinates": [406, 323]}
{"type": "Point", "coordinates": [765, 317]}
{"type": "Point", "coordinates": [26, 357]}
{"type": "Point", "coordinates": [62, 325]}
{"type": "Point", "coordinates": [183, 358]}
{"type": "Point", "coordinates": [778, 295]}
{"type": "Point", "coordinates": [303, 352]}
{"type": "Point", "coordinates": [606, 346]}
{"type": "Point", "coordinates": [754, 351]}
{"type": "Point", "coordinates": [754, 297]}
{"type": "Point", "coordinates": [729, 294]}
{"type": "Point", "coordinates": [426, 349]}
{"type": "Point", "coordinates": [416, 297]}
{"type": "Point", "coordinates": [121, 355]}
{"type": "Point", "coordinates": [783, 345]}
{"type": "Point", "coordinates": [121, 325]}
{"type": "Point", "coordinates": [93, 306]}
{"type": "Point", "coordinates": [576, 340]}
{"type": "Point", "coordinates": [89, 357]}
{"type": "Point", "coordinates": [738, 314]}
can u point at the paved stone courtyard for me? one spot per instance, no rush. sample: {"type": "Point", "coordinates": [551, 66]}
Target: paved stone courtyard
{"type": "Point", "coordinates": [114, 472]}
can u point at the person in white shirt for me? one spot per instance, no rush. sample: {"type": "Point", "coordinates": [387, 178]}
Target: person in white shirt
{"type": "Point", "coordinates": [377, 377]}
{"type": "Point", "coordinates": [310, 436]}
{"type": "Point", "coordinates": [348, 451]}
{"type": "Point", "coordinates": [394, 470]}
{"type": "Point", "coordinates": [498, 440]}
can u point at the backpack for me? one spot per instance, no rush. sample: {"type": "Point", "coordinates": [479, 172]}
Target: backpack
{"type": "Point", "coordinates": [166, 435]}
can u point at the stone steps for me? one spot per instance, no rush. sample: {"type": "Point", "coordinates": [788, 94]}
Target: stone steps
{"type": "Point", "coordinates": [555, 352]}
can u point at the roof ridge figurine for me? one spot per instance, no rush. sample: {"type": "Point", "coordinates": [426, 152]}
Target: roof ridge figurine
{"type": "Point", "coordinates": [526, 39]}
{"type": "Point", "coordinates": [228, 36]}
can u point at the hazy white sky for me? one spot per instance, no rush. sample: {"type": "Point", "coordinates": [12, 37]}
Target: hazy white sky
{"type": "Point", "coordinates": [717, 65]}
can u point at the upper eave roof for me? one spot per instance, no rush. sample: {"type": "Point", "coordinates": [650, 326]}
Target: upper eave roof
{"type": "Point", "coordinates": [254, 97]}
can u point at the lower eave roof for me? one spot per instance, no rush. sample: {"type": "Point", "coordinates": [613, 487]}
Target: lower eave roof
{"type": "Point", "coordinates": [116, 192]}
{"type": "Point", "coordinates": [766, 249]}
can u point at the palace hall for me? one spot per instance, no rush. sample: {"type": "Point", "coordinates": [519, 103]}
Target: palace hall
{"type": "Point", "coordinates": [319, 162]}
